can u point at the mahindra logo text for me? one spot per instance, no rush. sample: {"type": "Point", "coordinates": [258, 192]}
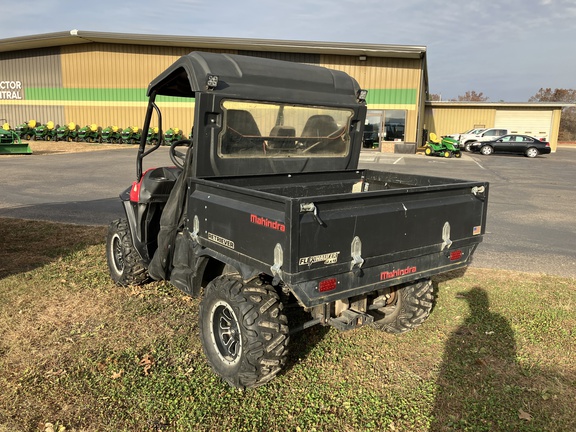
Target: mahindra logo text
{"type": "Point", "coordinates": [396, 273]}
{"type": "Point", "coordinates": [265, 222]}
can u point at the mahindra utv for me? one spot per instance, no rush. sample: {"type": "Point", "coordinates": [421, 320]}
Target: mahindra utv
{"type": "Point", "coordinates": [265, 207]}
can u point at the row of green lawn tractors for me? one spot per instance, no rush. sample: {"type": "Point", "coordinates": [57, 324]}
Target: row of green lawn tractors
{"type": "Point", "coordinates": [446, 147]}
{"type": "Point", "coordinates": [92, 133]}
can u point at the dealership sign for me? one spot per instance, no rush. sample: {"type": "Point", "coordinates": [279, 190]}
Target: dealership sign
{"type": "Point", "coordinates": [11, 90]}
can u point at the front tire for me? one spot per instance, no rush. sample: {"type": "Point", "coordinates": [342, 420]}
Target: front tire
{"type": "Point", "coordinates": [428, 151]}
{"type": "Point", "coordinates": [124, 262]}
{"type": "Point", "coordinates": [486, 150]}
{"type": "Point", "coordinates": [243, 331]}
{"type": "Point", "coordinates": [409, 306]}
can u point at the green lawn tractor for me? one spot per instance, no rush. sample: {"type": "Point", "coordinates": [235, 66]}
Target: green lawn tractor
{"type": "Point", "coordinates": [445, 147]}
{"type": "Point", "coordinates": [90, 133]}
{"type": "Point", "coordinates": [45, 132]}
{"type": "Point", "coordinates": [131, 135]}
{"type": "Point", "coordinates": [67, 132]}
{"type": "Point", "coordinates": [172, 135]}
{"type": "Point", "coordinates": [153, 135]}
{"type": "Point", "coordinates": [111, 134]}
{"type": "Point", "coordinates": [26, 130]}
{"type": "Point", "coordinates": [10, 142]}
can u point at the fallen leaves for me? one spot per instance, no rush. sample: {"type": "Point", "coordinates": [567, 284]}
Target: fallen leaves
{"type": "Point", "coordinates": [116, 375]}
{"type": "Point", "coordinates": [523, 415]}
{"type": "Point", "coordinates": [146, 362]}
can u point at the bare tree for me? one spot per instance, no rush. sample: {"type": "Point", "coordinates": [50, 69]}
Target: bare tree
{"type": "Point", "coordinates": [568, 119]}
{"type": "Point", "coordinates": [472, 96]}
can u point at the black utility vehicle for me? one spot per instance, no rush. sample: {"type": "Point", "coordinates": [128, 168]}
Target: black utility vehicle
{"type": "Point", "coordinates": [266, 207]}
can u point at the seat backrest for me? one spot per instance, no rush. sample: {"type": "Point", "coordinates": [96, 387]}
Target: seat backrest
{"type": "Point", "coordinates": [434, 138]}
{"type": "Point", "coordinates": [319, 126]}
{"type": "Point", "coordinates": [241, 132]}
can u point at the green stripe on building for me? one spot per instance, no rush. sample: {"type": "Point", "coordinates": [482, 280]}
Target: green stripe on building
{"type": "Point", "coordinates": [392, 96]}
{"type": "Point", "coordinates": [375, 96]}
{"type": "Point", "coordinates": [94, 94]}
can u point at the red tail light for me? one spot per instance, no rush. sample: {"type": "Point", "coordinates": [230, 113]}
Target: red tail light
{"type": "Point", "coordinates": [456, 255]}
{"type": "Point", "coordinates": [327, 285]}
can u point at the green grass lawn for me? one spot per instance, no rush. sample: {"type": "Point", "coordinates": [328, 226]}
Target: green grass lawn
{"type": "Point", "coordinates": [78, 353]}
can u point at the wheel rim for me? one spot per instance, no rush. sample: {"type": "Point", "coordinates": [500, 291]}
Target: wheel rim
{"type": "Point", "coordinates": [117, 254]}
{"type": "Point", "coordinates": [225, 333]}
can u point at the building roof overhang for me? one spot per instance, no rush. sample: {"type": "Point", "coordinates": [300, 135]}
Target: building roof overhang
{"type": "Point", "coordinates": [74, 37]}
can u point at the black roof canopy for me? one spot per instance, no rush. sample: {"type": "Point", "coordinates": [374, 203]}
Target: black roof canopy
{"type": "Point", "coordinates": [256, 78]}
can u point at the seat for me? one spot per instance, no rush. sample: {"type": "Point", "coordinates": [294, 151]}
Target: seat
{"type": "Point", "coordinates": [242, 133]}
{"type": "Point", "coordinates": [321, 134]}
{"type": "Point", "coordinates": [319, 126]}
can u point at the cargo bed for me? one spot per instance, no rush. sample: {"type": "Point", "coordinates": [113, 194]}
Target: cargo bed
{"type": "Point", "coordinates": [363, 227]}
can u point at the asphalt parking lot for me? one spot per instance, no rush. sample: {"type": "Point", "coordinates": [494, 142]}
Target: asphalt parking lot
{"type": "Point", "coordinates": [531, 209]}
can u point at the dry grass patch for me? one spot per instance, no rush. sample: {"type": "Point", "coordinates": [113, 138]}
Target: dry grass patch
{"type": "Point", "coordinates": [80, 353]}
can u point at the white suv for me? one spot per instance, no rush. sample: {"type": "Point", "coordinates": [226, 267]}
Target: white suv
{"type": "Point", "coordinates": [486, 135]}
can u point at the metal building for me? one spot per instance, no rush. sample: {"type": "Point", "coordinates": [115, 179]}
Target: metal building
{"type": "Point", "coordinates": [101, 78]}
{"type": "Point", "coordinates": [541, 120]}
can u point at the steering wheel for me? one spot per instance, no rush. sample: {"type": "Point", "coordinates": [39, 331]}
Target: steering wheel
{"type": "Point", "coordinates": [177, 157]}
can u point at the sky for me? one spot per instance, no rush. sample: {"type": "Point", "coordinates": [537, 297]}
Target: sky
{"type": "Point", "coordinates": [506, 50]}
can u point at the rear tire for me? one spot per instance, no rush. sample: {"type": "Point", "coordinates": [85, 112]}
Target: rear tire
{"type": "Point", "coordinates": [532, 152]}
{"type": "Point", "coordinates": [410, 306]}
{"type": "Point", "coordinates": [124, 262]}
{"type": "Point", "coordinates": [243, 331]}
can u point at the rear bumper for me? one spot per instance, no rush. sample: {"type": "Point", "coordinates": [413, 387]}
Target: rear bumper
{"type": "Point", "coordinates": [366, 280]}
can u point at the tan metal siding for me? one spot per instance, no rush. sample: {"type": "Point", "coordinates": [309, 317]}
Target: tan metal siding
{"type": "Point", "coordinates": [102, 66]}
{"type": "Point", "coordinates": [376, 72]}
{"type": "Point", "coordinates": [451, 120]}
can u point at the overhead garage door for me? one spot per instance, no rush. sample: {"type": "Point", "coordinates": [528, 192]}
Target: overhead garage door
{"type": "Point", "coordinates": [533, 123]}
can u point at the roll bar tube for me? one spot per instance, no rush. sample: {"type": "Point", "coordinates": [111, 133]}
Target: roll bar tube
{"type": "Point", "coordinates": [142, 152]}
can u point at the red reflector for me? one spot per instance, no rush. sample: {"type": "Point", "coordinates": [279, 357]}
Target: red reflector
{"type": "Point", "coordinates": [455, 255]}
{"type": "Point", "coordinates": [135, 192]}
{"type": "Point", "coordinates": [327, 285]}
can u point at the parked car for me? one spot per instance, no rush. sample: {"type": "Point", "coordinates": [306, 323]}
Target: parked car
{"type": "Point", "coordinates": [483, 136]}
{"type": "Point", "coordinates": [521, 144]}
{"type": "Point", "coordinates": [473, 131]}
